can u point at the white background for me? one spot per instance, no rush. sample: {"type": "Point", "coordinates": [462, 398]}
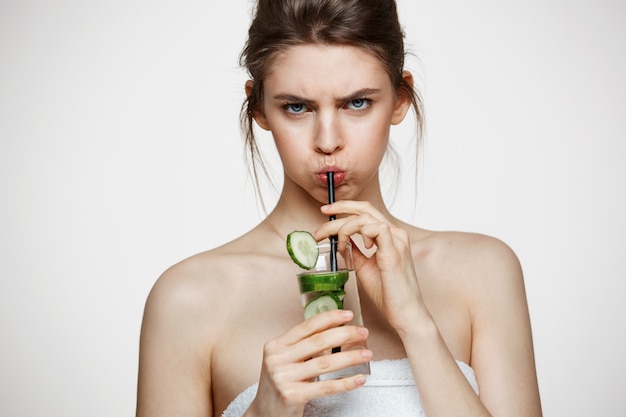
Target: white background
{"type": "Point", "coordinates": [120, 155]}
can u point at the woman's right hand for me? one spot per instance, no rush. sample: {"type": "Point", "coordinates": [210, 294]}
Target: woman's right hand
{"type": "Point", "coordinates": [291, 364]}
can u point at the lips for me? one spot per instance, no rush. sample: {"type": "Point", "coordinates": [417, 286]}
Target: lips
{"type": "Point", "coordinates": [339, 175]}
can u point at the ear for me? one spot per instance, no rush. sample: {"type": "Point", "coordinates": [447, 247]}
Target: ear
{"type": "Point", "coordinates": [258, 114]}
{"type": "Point", "coordinates": [403, 102]}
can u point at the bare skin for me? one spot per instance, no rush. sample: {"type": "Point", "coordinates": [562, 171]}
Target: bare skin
{"type": "Point", "coordinates": [222, 320]}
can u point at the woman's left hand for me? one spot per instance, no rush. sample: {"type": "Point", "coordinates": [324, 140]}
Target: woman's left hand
{"type": "Point", "coordinates": [388, 276]}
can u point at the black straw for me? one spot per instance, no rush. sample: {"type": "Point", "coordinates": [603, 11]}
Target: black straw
{"type": "Point", "coordinates": [333, 239]}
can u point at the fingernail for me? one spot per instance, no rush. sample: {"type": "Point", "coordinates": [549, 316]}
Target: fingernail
{"type": "Point", "coordinates": [362, 331]}
{"type": "Point", "coordinates": [367, 354]}
{"type": "Point", "coordinates": [346, 314]}
{"type": "Point", "coordinates": [359, 380]}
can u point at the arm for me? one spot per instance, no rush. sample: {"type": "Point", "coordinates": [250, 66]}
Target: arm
{"type": "Point", "coordinates": [501, 343]}
{"type": "Point", "coordinates": [493, 295]}
{"type": "Point", "coordinates": [174, 360]}
{"type": "Point", "coordinates": [502, 348]}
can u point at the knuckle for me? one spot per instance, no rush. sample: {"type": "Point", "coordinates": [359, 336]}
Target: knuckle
{"type": "Point", "coordinates": [344, 235]}
{"type": "Point", "coordinates": [318, 341]}
{"type": "Point", "coordinates": [328, 389]}
{"type": "Point", "coordinates": [270, 347]}
{"type": "Point", "coordinates": [348, 384]}
{"type": "Point", "coordinates": [402, 234]}
{"type": "Point", "coordinates": [288, 395]}
{"type": "Point", "coordinates": [271, 362]}
{"type": "Point", "coordinates": [310, 326]}
{"type": "Point", "coordinates": [271, 357]}
{"type": "Point", "coordinates": [323, 362]}
{"type": "Point", "coordinates": [369, 218]}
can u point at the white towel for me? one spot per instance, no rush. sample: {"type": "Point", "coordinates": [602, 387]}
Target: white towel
{"type": "Point", "coordinates": [389, 391]}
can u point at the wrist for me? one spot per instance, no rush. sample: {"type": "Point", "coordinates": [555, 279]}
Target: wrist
{"type": "Point", "coordinates": [418, 326]}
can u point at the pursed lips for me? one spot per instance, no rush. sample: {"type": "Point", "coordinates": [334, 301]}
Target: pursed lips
{"type": "Point", "coordinates": [339, 175]}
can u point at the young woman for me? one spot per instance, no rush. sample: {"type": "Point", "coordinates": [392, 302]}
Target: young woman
{"type": "Point", "coordinates": [446, 319]}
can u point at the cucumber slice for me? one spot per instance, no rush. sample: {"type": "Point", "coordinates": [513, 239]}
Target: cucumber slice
{"type": "Point", "coordinates": [325, 281]}
{"type": "Point", "coordinates": [321, 304]}
{"type": "Point", "coordinates": [302, 248]}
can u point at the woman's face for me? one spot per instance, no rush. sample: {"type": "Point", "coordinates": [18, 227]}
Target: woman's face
{"type": "Point", "coordinates": [330, 108]}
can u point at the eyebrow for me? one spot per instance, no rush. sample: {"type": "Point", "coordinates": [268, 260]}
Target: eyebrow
{"type": "Point", "coordinates": [364, 92]}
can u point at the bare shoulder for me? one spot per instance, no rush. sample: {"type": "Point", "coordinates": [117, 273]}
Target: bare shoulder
{"type": "Point", "coordinates": [205, 290]}
{"type": "Point", "coordinates": [185, 315]}
{"type": "Point", "coordinates": [470, 258]}
{"type": "Point", "coordinates": [200, 282]}
{"type": "Point", "coordinates": [485, 269]}
{"type": "Point", "coordinates": [478, 273]}
{"type": "Point", "coordinates": [181, 299]}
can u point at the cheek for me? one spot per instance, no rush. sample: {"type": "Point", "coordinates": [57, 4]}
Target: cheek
{"type": "Point", "coordinates": [292, 148]}
{"type": "Point", "coordinates": [370, 137]}
{"type": "Point", "coordinates": [292, 139]}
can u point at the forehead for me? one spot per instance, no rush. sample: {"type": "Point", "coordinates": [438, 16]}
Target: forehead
{"type": "Point", "coordinates": [306, 67]}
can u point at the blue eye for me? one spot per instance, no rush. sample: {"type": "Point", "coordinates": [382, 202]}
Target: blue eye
{"type": "Point", "coordinates": [358, 104]}
{"type": "Point", "coordinates": [295, 108]}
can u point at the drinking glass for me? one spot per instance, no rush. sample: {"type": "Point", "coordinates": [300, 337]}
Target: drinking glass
{"type": "Point", "coordinates": [332, 285]}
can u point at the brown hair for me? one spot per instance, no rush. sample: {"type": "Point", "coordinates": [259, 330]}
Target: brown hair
{"type": "Point", "coordinates": [279, 24]}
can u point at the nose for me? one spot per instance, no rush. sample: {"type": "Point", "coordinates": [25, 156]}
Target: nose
{"type": "Point", "coordinates": [328, 137]}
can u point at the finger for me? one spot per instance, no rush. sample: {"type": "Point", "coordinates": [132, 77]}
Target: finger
{"type": "Point", "coordinates": [380, 233]}
{"type": "Point", "coordinates": [312, 357]}
{"type": "Point", "coordinates": [344, 227]}
{"type": "Point", "coordinates": [329, 228]}
{"type": "Point", "coordinates": [337, 386]}
{"type": "Point", "coordinates": [346, 337]}
{"type": "Point", "coordinates": [392, 245]}
{"type": "Point", "coordinates": [357, 224]}
{"type": "Point", "coordinates": [315, 325]}
{"type": "Point", "coordinates": [352, 207]}
{"type": "Point", "coordinates": [319, 343]}
{"type": "Point", "coordinates": [388, 237]}
{"type": "Point", "coordinates": [309, 391]}
{"type": "Point", "coordinates": [333, 362]}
